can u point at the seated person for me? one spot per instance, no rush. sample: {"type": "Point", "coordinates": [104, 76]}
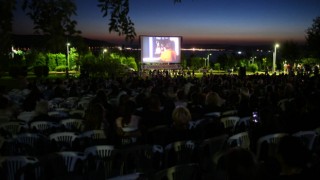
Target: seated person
{"type": "Point", "coordinates": [179, 130]}
{"type": "Point", "coordinates": [127, 124]}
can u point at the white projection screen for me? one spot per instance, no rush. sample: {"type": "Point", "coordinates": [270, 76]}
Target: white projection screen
{"type": "Point", "coordinates": [160, 49]}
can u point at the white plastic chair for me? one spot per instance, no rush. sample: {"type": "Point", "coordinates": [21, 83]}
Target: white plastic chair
{"type": "Point", "coordinates": [72, 124]}
{"type": "Point", "coordinates": [229, 113]}
{"type": "Point", "coordinates": [179, 152]}
{"type": "Point", "coordinates": [64, 138]}
{"type": "Point", "coordinates": [83, 104]}
{"type": "Point", "coordinates": [43, 125]}
{"type": "Point", "coordinates": [101, 151]}
{"type": "Point", "coordinates": [28, 138]}
{"type": "Point", "coordinates": [229, 121]}
{"type": "Point", "coordinates": [94, 134]}
{"type": "Point", "coordinates": [14, 163]}
{"type": "Point", "coordinates": [71, 158]}
{"type": "Point", "coordinates": [242, 125]}
{"type": "Point", "coordinates": [272, 140]}
{"type": "Point", "coordinates": [213, 114]}
{"type": "Point", "coordinates": [13, 127]}
{"type": "Point", "coordinates": [26, 116]}
{"type": "Point", "coordinates": [77, 112]}
{"type": "Point", "coordinates": [239, 140]}
{"type": "Point", "coordinates": [307, 137]}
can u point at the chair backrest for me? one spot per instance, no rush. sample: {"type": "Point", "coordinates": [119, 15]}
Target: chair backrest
{"type": "Point", "coordinates": [101, 151]}
{"type": "Point", "coordinates": [157, 134]}
{"type": "Point", "coordinates": [58, 114]}
{"type": "Point", "coordinates": [32, 144]}
{"type": "Point", "coordinates": [94, 134]}
{"type": "Point", "coordinates": [209, 149]}
{"type": "Point", "coordinates": [213, 114]}
{"type": "Point", "coordinates": [239, 140]}
{"type": "Point", "coordinates": [28, 138]}
{"type": "Point", "coordinates": [12, 164]}
{"type": "Point", "coordinates": [233, 112]}
{"type": "Point", "coordinates": [207, 128]}
{"type": "Point", "coordinates": [77, 113]}
{"type": "Point", "coordinates": [272, 141]}
{"type": "Point", "coordinates": [43, 125]}
{"type": "Point", "coordinates": [83, 104]}
{"type": "Point", "coordinates": [179, 152]}
{"type": "Point", "coordinates": [72, 124]}
{"type": "Point", "coordinates": [179, 172]}
{"type": "Point", "coordinates": [308, 138]}
{"type": "Point", "coordinates": [71, 158]}
{"type": "Point", "coordinates": [64, 139]}
{"type": "Point", "coordinates": [242, 125]}
{"type": "Point", "coordinates": [13, 127]}
{"type": "Point", "coordinates": [136, 158]}
{"type": "Point", "coordinates": [26, 116]}
{"type": "Point", "coordinates": [63, 136]}
{"type": "Point", "coordinates": [230, 121]}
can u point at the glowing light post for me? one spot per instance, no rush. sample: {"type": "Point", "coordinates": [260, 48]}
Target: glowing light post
{"type": "Point", "coordinates": [104, 52]}
{"type": "Point", "coordinates": [208, 65]}
{"type": "Point", "coordinates": [67, 68]}
{"type": "Point", "coordinates": [274, 58]}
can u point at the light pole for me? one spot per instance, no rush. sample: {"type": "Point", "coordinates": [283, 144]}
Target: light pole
{"type": "Point", "coordinates": [208, 65]}
{"type": "Point", "coordinates": [274, 58]}
{"type": "Point", "coordinates": [67, 68]}
{"type": "Point", "coordinates": [104, 52]}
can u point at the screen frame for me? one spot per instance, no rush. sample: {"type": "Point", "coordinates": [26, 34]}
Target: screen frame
{"type": "Point", "coordinates": [149, 44]}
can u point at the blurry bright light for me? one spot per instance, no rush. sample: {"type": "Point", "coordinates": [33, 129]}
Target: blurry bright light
{"type": "Point", "coordinates": [239, 52]}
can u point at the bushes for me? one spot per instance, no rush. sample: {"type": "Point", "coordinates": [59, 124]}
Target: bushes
{"type": "Point", "coordinates": [61, 68]}
{"type": "Point", "coordinates": [253, 68]}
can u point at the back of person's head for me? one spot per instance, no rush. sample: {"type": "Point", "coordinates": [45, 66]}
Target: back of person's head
{"type": "Point", "coordinates": [239, 164]}
{"type": "Point", "coordinates": [213, 98]}
{"type": "Point", "coordinates": [153, 102]}
{"type": "Point", "coordinates": [42, 107]}
{"type": "Point", "coordinates": [181, 95]}
{"type": "Point", "coordinates": [292, 152]}
{"type": "Point", "coordinates": [101, 95]}
{"type": "Point", "coordinates": [94, 116]}
{"type": "Point", "coordinates": [181, 117]}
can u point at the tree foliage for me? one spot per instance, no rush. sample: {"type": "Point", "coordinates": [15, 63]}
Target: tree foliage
{"type": "Point", "coordinates": [120, 21]}
{"type": "Point", "coordinates": [290, 52]}
{"type": "Point", "coordinates": [6, 17]}
{"type": "Point", "coordinates": [52, 18]}
{"type": "Point", "coordinates": [313, 38]}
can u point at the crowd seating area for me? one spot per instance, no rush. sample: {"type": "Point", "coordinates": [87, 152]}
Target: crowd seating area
{"type": "Point", "coordinates": [249, 127]}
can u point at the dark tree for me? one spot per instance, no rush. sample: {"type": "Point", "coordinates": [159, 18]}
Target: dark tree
{"type": "Point", "coordinates": [52, 18]}
{"type": "Point", "coordinates": [313, 38]}
{"type": "Point", "coordinates": [120, 20]}
{"type": "Point", "coordinates": [290, 51]}
{"type": "Point", "coordinates": [6, 17]}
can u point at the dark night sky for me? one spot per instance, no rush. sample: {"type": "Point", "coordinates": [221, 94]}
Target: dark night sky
{"type": "Point", "coordinates": [200, 21]}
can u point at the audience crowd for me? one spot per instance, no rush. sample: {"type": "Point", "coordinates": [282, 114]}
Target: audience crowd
{"type": "Point", "coordinates": [160, 110]}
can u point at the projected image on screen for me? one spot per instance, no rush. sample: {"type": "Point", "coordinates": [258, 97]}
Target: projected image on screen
{"type": "Point", "coordinates": [160, 49]}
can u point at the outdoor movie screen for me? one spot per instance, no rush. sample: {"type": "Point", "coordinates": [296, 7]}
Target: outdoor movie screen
{"type": "Point", "coordinates": [160, 49]}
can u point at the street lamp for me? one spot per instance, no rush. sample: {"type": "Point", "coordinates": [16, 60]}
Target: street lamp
{"type": "Point", "coordinates": [208, 59]}
{"type": "Point", "coordinates": [274, 58]}
{"type": "Point", "coordinates": [67, 68]}
{"type": "Point", "coordinates": [104, 51]}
